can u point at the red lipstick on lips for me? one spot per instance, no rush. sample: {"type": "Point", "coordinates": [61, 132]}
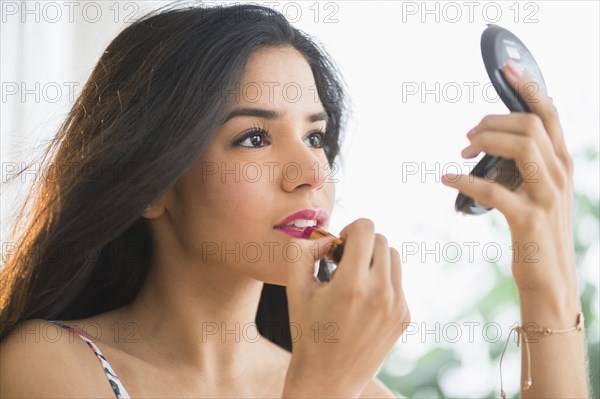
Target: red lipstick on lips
{"type": "Point", "coordinates": [286, 225]}
{"type": "Point", "coordinates": [335, 252]}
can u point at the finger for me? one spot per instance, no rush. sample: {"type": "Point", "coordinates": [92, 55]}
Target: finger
{"type": "Point", "coordinates": [300, 275]}
{"type": "Point", "coordinates": [396, 273]}
{"type": "Point", "coordinates": [381, 263]}
{"type": "Point", "coordinates": [489, 193]}
{"type": "Point", "coordinates": [359, 239]}
{"type": "Point", "coordinates": [399, 299]}
{"type": "Point", "coordinates": [529, 125]}
{"type": "Point", "coordinates": [526, 153]}
{"type": "Point", "coordinates": [539, 103]}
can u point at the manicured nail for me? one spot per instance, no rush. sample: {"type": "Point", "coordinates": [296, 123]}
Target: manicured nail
{"type": "Point", "coordinates": [515, 68]}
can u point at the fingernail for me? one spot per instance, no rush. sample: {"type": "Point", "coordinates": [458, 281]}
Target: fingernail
{"type": "Point", "coordinates": [515, 68]}
{"type": "Point", "coordinates": [450, 178]}
{"type": "Point", "coordinates": [471, 133]}
{"type": "Point", "coordinates": [465, 151]}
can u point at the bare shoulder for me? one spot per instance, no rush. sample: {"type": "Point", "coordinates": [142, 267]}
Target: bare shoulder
{"type": "Point", "coordinates": [377, 389]}
{"type": "Point", "coordinates": [41, 360]}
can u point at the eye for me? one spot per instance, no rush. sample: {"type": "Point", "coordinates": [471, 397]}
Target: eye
{"type": "Point", "coordinates": [320, 141]}
{"type": "Point", "coordinates": [254, 136]}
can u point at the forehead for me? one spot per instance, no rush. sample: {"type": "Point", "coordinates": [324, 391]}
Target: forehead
{"type": "Point", "coordinates": [279, 64]}
{"type": "Point", "coordinates": [278, 76]}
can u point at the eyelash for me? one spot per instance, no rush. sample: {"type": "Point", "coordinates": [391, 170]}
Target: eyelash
{"type": "Point", "coordinates": [264, 131]}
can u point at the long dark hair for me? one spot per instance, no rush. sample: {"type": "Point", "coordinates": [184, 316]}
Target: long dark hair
{"type": "Point", "coordinates": [146, 113]}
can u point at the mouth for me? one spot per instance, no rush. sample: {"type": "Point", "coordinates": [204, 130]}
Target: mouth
{"type": "Point", "coordinates": [295, 224]}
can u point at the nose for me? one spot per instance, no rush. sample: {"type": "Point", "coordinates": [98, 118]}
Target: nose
{"type": "Point", "coordinates": [303, 168]}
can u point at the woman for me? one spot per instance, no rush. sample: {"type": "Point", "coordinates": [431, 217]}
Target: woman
{"type": "Point", "coordinates": [198, 135]}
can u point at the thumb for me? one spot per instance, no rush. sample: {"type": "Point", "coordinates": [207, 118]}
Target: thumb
{"type": "Point", "coordinates": [301, 275]}
{"type": "Point", "coordinates": [531, 91]}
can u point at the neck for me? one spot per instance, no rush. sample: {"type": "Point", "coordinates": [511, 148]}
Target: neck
{"type": "Point", "coordinates": [200, 316]}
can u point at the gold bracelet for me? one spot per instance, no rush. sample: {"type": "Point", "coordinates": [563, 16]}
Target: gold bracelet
{"type": "Point", "coordinates": [521, 333]}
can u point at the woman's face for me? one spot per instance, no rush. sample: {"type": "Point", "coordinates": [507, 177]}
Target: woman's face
{"type": "Point", "coordinates": [225, 207]}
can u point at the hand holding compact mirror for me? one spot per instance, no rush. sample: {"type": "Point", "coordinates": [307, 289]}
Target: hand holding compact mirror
{"type": "Point", "coordinates": [498, 45]}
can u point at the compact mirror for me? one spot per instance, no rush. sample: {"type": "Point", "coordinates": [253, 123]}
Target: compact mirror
{"type": "Point", "coordinates": [498, 45]}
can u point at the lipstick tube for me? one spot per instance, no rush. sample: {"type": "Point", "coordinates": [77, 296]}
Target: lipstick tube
{"type": "Point", "coordinates": [335, 248]}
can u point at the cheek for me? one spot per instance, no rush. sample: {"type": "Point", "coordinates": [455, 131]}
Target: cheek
{"type": "Point", "coordinates": [229, 209]}
{"type": "Point", "coordinates": [329, 190]}
{"type": "Point", "coordinates": [232, 200]}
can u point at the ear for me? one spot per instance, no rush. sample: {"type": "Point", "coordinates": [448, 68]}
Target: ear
{"type": "Point", "coordinates": [157, 208]}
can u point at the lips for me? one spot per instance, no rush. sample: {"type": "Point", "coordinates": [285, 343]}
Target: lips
{"type": "Point", "coordinates": [320, 215]}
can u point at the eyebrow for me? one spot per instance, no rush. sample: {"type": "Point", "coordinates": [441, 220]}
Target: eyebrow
{"type": "Point", "coordinates": [268, 114]}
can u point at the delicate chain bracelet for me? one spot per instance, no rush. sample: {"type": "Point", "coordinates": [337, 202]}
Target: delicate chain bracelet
{"type": "Point", "coordinates": [521, 333]}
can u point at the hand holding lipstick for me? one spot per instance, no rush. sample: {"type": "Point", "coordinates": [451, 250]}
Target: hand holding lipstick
{"type": "Point", "coordinates": [336, 247]}
{"type": "Point", "coordinates": [348, 325]}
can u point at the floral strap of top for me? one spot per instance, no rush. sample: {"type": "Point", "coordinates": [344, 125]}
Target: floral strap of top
{"type": "Point", "coordinates": [114, 381]}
